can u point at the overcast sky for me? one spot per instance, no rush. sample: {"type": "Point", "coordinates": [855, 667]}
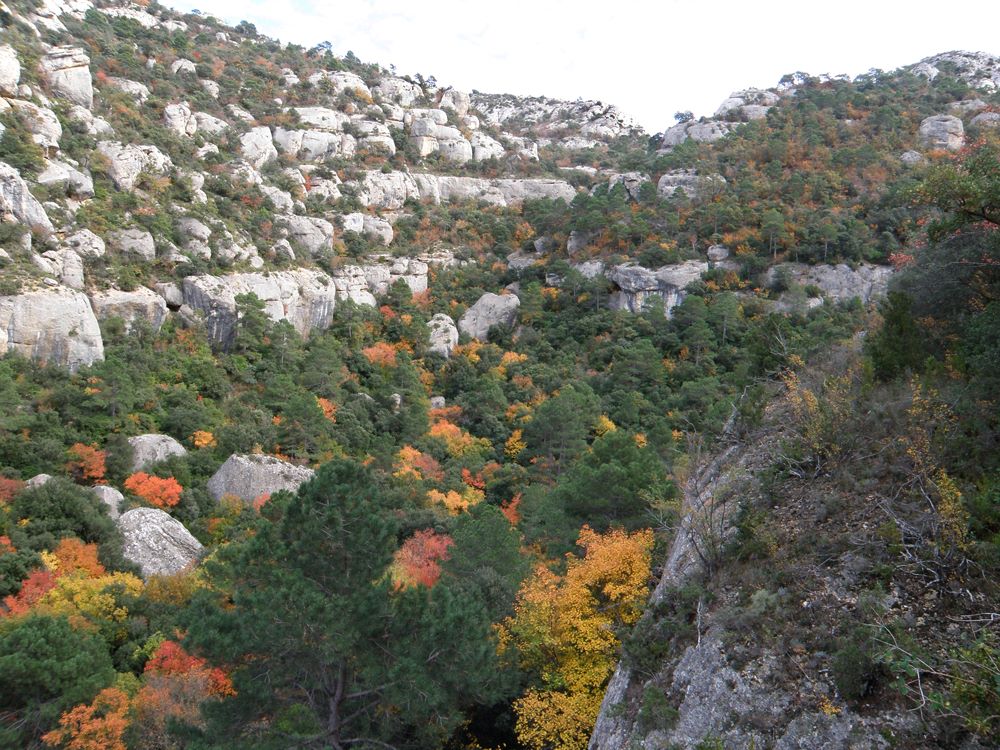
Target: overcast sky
{"type": "Point", "coordinates": [651, 59]}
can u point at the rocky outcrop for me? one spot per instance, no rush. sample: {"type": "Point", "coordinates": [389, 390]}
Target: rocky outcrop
{"type": "Point", "coordinates": [249, 477]}
{"type": "Point", "coordinates": [387, 190]}
{"type": "Point", "coordinates": [111, 498]}
{"type": "Point", "coordinates": [17, 203]}
{"type": "Point", "coordinates": [158, 544]}
{"type": "Point", "coordinates": [986, 120]}
{"type": "Point", "coordinates": [942, 131]}
{"type": "Point", "coordinates": [10, 70]}
{"type": "Point", "coordinates": [143, 305]}
{"type": "Point", "coordinates": [67, 72]}
{"type": "Point", "coordinates": [308, 233]}
{"type": "Point", "coordinates": [257, 147]}
{"type": "Point", "coordinates": [134, 243]}
{"type": "Point", "coordinates": [53, 326]}
{"type": "Point", "coordinates": [152, 448]}
{"type": "Point", "coordinates": [443, 335]}
{"type": "Point", "coordinates": [497, 192]}
{"type": "Point", "coordinates": [687, 181]}
{"type": "Point", "coordinates": [488, 311]}
{"type": "Point", "coordinates": [636, 286]}
{"type": "Point", "coordinates": [707, 131]}
{"type": "Point", "coordinates": [839, 283]}
{"type": "Point", "coordinates": [42, 122]}
{"type": "Point", "coordinates": [127, 161]}
{"type": "Point", "coordinates": [632, 182]}
{"type": "Point", "coordinates": [305, 298]}
{"type": "Point", "coordinates": [69, 178]}
{"type": "Point", "coordinates": [138, 91]}
{"type": "Point", "coordinates": [552, 117]}
{"type": "Point", "coordinates": [398, 91]}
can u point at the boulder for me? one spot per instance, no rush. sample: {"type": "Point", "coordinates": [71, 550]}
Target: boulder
{"type": "Point", "coordinates": [397, 91]}
{"type": "Point", "coordinates": [211, 87]}
{"type": "Point", "coordinates": [488, 311]}
{"type": "Point", "coordinates": [443, 335]}
{"type": "Point", "coordinates": [377, 229]}
{"type": "Point", "coordinates": [17, 203]}
{"type": "Point", "coordinates": [312, 234]}
{"type": "Point", "coordinates": [67, 72]}
{"type": "Point", "coordinates": [134, 242]}
{"type": "Point", "coordinates": [484, 147]}
{"type": "Point", "coordinates": [128, 161]}
{"type": "Point", "coordinates": [95, 126]}
{"type": "Point", "coordinates": [138, 91]}
{"type": "Point", "coordinates": [986, 120]}
{"type": "Point", "coordinates": [257, 147]}
{"type": "Point", "coordinates": [387, 190]}
{"type": "Point", "coordinates": [42, 122]}
{"type": "Point", "coordinates": [181, 67]}
{"type": "Point", "coordinates": [341, 81]}
{"type": "Point", "coordinates": [304, 297]}
{"type": "Point", "coordinates": [687, 181]}
{"type": "Point", "coordinates": [180, 119]}
{"type": "Point", "coordinates": [10, 70]}
{"type": "Point", "coordinates": [156, 542]}
{"type": "Point", "coordinates": [152, 448]}
{"type": "Point", "coordinates": [38, 480]}
{"type": "Point", "coordinates": [717, 253]}
{"type": "Point", "coordinates": [322, 118]}
{"type": "Point", "coordinates": [631, 181]}
{"type": "Point", "coordinates": [140, 305]}
{"type": "Point", "coordinates": [455, 100]}
{"type": "Point", "coordinates": [912, 158]}
{"type": "Point", "coordinates": [68, 177]}
{"type": "Point", "coordinates": [111, 498]}
{"type": "Point", "coordinates": [86, 244]}
{"type": "Point", "coordinates": [942, 132]}
{"type": "Point", "coordinates": [636, 286]}
{"type": "Point", "coordinates": [209, 124]}
{"type": "Point", "coordinates": [249, 477]}
{"type": "Point", "coordinates": [67, 266]}
{"type": "Point", "coordinates": [53, 326]}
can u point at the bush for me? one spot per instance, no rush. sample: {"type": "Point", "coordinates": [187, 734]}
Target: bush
{"type": "Point", "coordinates": [854, 669]}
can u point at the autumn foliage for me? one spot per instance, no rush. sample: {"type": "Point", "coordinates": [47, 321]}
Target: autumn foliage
{"type": "Point", "coordinates": [163, 493]}
{"type": "Point", "coordinates": [86, 464]}
{"type": "Point", "coordinates": [99, 725]}
{"type": "Point", "coordinates": [564, 629]}
{"type": "Point", "coordinates": [418, 560]}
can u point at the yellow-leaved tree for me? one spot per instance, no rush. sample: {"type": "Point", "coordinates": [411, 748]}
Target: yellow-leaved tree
{"type": "Point", "coordinates": [565, 630]}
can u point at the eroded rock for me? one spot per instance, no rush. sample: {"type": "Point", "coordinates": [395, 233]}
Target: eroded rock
{"type": "Point", "coordinates": [249, 477]}
{"type": "Point", "coordinates": [156, 542]}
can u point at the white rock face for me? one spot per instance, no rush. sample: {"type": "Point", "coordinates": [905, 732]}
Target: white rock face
{"type": "Point", "coordinates": [257, 147]}
{"type": "Point", "coordinates": [251, 476]}
{"type": "Point", "coordinates": [68, 177]}
{"type": "Point", "coordinates": [183, 67]}
{"type": "Point", "coordinates": [942, 131]}
{"type": "Point", "coordinates": [310, 233]}
{"type": "Point", "coordinates": [140, 305]}
{"type": "Point", "coordinates": [211, 87]}
{"type": "Point", "coordinates": [484, 147]}
{"type": "Point", "coordinates": [457, 101]}
{"type": "Point", "coordinates": [43, 123]}
{"type": "Point", "coordinates": [134, 242]}
{"type": "Point", "coordinates": [631, 181]}
{"type": "Point", "coordinates": [397, 91]}
{"type": "Point", "coordinates": [980, 69]}
{"type": "Point", "coordinates": [551, 116]}
{"type": "Point", "coordinates": [10, 70]}
{"type": "Point", "coordinates": [111, 498]}
{"type": "Point", "coordinates": [489, 310]}
{"type": "Point", "coordinates": [322, 118]}
{"type": "Point", "coordinates": [457, 150]}
{"type": "Point", "coordinates": [53, 326]}
{"type": "Point", "coordinates": [341, 81]}
{"type": "Point", "coordinates": [17, 203]}
{"type": "Point", "coordinates": [304, 297]}
{"type": "Point", "coordinates": [314, 145]}
{"type": "Point", "coordinates": [986, 120]}
{"type": "Point", "coordinates": [159, 544]}
{"type": "Point", "coordinates": [209, 124]}
{"type": "Point", "coordinates": [67, 72]}
{"type": "Point", "coordinates": [180, 119]}
{"type": "Point", "coordinates": [67, 266]}
{"type": "Point", "coordinates": [138, 91]}
{"type": "Point", "coordinates": [689, 182]}
{"type": "Point", "coordinates": [636, 286]}
{"type": "Point", "coordinates": [839, 283]}
{"type": "Point", "coordinates": [387, 190]}
{"type": "Point", "coordinates": [95, 126]}
{"type": "Point", "coordinates": [141, 17]}
{"type": "Point", "coordinates": [86, 244]}
{"type": "Point", "coordinates": [128, 161]}
{"type": "Point", "coordinates": [152, 448]}
{"type": "Point", "coordinates": [443, 335]}
{"type": "Point", "coordinates": [498, 192]}
{"type": "Point", "coordinates": [701, 132]}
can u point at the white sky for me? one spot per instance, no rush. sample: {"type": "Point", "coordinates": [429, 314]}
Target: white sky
{"type": "Point", "coordinates": [651, 59]}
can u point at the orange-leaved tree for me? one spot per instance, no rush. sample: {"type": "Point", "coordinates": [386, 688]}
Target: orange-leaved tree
{"type": "Point", "coordinates": [99, 725]}
{"type": "Point", "coordinates": [418, 561]}
{"type": "Point", "coordinates": [86, 463]}
{"type": "Point", "coordinates": [566, 631]}
{"type": "Point", "coordinates": [163, 493]}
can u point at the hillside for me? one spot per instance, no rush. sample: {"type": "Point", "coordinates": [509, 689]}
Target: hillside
{"type": "Point", "coordinates": [344, 409]}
